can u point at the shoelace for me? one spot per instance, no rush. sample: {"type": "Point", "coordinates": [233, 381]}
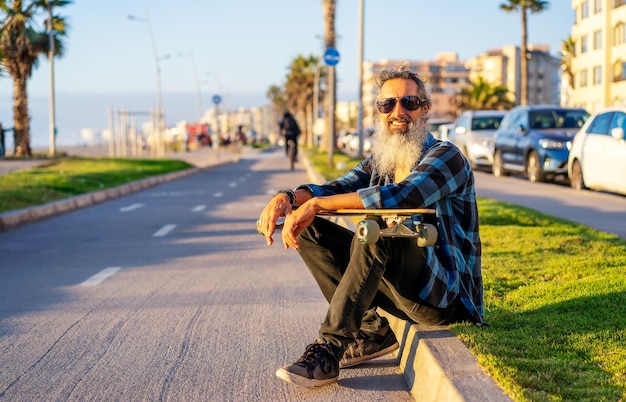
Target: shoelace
{"type": "Point", "coordinates": [317, 354]}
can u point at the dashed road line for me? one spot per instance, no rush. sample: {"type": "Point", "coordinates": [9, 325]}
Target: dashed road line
{"type": "Point", "coordinates": [199, 208]}
{"type": "Point", "coordinates": [100, 276]}
{"type": "Point", "coordinates": [164, 230]}
{"type": "Point", "coordinates": [131, 207]}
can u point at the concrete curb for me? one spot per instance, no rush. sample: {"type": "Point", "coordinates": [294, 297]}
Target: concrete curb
{"type": "Point", "coordinates": [436, 365]}
{"type": "Point", "coordinates": [13, 219]}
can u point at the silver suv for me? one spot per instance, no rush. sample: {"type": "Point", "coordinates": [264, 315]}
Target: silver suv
{"type": "Point", "coordinates": [473, 134]}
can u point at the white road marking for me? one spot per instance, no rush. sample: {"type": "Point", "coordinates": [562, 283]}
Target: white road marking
{"type": "Point", "coordinates": [217, 195]}
{"type": "Point", "coordinates": [100, 276]}
{"type": "Point", "coordinates": [199, 208]}
{"type": "Point", "coordinates": [164, 231]}
{"type": "Point", "coordinates": [232, 185]}
{"type": "Point", "coordinates": [131, 207]}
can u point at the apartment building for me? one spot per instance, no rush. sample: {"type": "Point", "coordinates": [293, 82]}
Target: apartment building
{"type": "Point", "coordinates": [599, 64]}
{"type": "Point", "coordinates": [444, 78]}
{"type": "Point", "coordinates": [503, 67]}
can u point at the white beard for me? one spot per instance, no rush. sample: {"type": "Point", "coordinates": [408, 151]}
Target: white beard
{"type": "Point", "coordinates": [392, 150]}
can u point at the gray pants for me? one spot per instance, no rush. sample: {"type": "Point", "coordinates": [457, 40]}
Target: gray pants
{"type": "Point", "coordinates": [356, 278]}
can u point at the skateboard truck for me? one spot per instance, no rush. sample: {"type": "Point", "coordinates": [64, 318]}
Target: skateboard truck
{"type": "Point", "coordinates": [369, 231]}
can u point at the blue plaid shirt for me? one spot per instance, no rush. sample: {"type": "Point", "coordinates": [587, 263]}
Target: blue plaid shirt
{"type": "Point", "coordinates": [444, 181]}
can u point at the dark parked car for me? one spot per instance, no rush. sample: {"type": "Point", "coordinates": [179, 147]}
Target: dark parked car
{"type": "Point", "coordinates": [536, 140]}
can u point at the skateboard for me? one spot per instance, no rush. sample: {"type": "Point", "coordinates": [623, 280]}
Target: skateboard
{"type": "Point", "coordinates": [368, 231]}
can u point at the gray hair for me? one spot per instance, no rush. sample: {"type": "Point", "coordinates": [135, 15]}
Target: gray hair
{"type": "Point", "coordinates": [404, 73]}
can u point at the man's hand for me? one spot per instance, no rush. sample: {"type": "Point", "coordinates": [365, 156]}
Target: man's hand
{"type": "Point", "coordinates": [296, 221]}
{"type": "Point", "coordinates": [279, 206]}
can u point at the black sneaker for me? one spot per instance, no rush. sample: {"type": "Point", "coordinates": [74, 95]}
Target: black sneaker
{"type": "Point", "coordinates": [368, 346]}
{"type": "Point", "coordinates": [318, 366]}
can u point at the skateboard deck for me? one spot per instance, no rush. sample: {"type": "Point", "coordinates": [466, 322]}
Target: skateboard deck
{"type": "Point", "coordinates": [369, 231]}
{"type": "Point", "coordinates": [379, 212]}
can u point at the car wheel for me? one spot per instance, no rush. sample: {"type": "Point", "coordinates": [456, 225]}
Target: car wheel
{"type": "Point", "coordinates": [498, 166]}
{"type": "Point", "coordinates": [533, 168]}
{"type": "Point", "coordinates": [576, 181]}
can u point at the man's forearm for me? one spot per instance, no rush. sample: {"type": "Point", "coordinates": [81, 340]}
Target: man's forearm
{"type": "Point", "coordinates": [338, 201]}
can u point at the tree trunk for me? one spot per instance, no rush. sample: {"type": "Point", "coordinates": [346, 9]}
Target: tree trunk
{"type": "Point", "coordinates": [524, 59]}
{"type": "Point", "coordinates": [329, 7]}
{"type": "Point", "coordinates": [21, 121]}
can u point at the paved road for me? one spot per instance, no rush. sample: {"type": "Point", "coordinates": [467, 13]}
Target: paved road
{"type": "Point", "coordinates": [167, 294]}
{"type": "Point", "coordinates": [603, 211]}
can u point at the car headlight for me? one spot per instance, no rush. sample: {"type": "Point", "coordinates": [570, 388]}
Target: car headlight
{"type": "Point", "coordinates": [552, 144]}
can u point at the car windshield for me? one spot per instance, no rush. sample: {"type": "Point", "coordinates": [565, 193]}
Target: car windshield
{"type": "Point", "coordinates": [486, 123]}
{"type": "Point", "coordinates": [547, 119]}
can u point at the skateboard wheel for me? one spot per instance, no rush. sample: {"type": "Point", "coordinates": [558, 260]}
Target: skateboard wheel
{"type": "Point", "coordinates": [428, 234]}
{"type": "Point", "coordinates": [368, 231]}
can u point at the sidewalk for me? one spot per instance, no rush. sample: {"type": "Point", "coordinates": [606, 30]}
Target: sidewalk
{"type": "Point", "coordinates": [436, 365]}
{"type": "Point", "coordinates": [202, 158]}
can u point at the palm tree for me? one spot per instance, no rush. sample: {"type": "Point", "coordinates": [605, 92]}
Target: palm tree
{"type": "Point", "coordinates": [22, 43]}
{"type": "Point", "coordinates": [277, 98]}
{"type": "Point", "coordinates": [328, 10]}
{"type": "Point", "coordinates": [524, 6]}
{"type": "Point", "coordinates": [482, 94]}
{"type": "Point", "coordinates": [568, 53]}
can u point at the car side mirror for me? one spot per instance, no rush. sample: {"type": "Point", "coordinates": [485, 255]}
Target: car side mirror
{"type": "Point", "coordinates": [522, 129]}
{"type": "Point", "coordinates": [618, 133]}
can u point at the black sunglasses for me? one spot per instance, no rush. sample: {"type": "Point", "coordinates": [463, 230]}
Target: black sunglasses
{"type": "Point", "coordinates": [408, 102]}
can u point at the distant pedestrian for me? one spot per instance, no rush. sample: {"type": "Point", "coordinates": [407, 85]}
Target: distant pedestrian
{"type": "Point", "coordinates": [290, 129]}
{"type": "Point", "coordinates": [2, 151]}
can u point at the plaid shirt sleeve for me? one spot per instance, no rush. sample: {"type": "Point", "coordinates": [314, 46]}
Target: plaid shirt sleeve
{"type": "Point", "coordinates": [442, 180]}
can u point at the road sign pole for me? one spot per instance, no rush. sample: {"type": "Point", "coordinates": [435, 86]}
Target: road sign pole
{"type": "Point", "coordinates": [331, 58]}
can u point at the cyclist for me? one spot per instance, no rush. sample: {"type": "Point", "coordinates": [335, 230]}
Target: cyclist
{"type": "Point", "coordinates": [290, 129]}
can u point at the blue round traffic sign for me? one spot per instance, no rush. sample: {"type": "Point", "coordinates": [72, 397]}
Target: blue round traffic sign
{"type": "Point", "coordinates": [217, 99]}
{"type": "Point", "coordinates": [331, 56]}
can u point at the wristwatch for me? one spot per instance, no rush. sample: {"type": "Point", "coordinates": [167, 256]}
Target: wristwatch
{"type": "Point", "coordinates": [290, 194]}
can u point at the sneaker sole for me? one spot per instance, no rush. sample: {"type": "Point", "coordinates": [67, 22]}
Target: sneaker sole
{"type": "Point", "coordinates": [345, 363]}
{"type": "Point", "coordinates": [302, 381]}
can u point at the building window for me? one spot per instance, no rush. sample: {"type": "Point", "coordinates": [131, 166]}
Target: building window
{"type": "Point", "coordinates": [584, 10]}
{"type": "Point", "coordinates": [597, 40]}
{"type": "Point", "coordinates": [619, 34]}
{"type": "Point", "coordinates": [597, 75]}
{"type": "Point", "coordinates": [583, 44]}
{"type": "Point", "coordinates": [619, 3]}
{"type": "Point", "coordinates": [583, 78]}
{"type": "Point", "coordinates": [597, 6]}
{"type": "Point", "coordinates": [619, 71]}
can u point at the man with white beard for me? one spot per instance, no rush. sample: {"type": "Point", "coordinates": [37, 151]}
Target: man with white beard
{"type": "Point", "coordinates": [437, 285]}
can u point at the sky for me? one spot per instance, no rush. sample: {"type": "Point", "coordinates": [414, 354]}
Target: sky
{"type": "Point", "coordinates": [239, 48]}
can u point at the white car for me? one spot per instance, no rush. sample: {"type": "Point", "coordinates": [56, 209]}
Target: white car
{"type": "Point", "coordinates": [597, 159]}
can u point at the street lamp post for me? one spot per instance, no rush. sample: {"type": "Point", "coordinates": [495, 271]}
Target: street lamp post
{"type": "Point", "coordinates": [197, 81]}
{"type": "Point", "coordinates": [360, 77]}
{"type": "Point", "coordinates": [52, 103]}
{"type": "Point", "coordinates": [159, 111]}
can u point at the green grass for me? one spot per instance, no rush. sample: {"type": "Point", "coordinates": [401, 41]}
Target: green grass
{"type": "Point", "coordinates": [68, 177]}
{"type": "Point", "coordinates": [555, 297]}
